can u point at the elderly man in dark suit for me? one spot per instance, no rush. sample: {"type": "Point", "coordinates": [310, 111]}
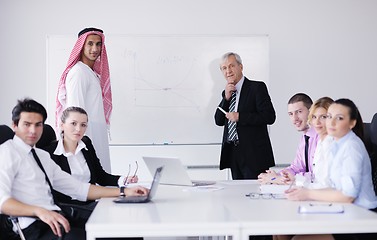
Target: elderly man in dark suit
{"type": "Point", "coordinates": [246, 147]}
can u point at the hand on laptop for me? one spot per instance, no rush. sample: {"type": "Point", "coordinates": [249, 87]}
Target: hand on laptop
{"type": "Point", "coordinates": [136, 191]}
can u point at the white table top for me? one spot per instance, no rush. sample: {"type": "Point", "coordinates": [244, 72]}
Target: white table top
{"type": "Point", "coordinates": [184, 211]}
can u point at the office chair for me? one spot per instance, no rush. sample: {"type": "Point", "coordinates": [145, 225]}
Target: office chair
{"type": "Point", "coordinates": [48, 136]}
{"type": "Point", "coordinates": [373, 150]}
{"type": "Point", "coordinates": [7, 133]}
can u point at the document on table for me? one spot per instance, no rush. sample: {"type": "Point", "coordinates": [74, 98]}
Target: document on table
{"type": "Point", "coordinates": [273, 188]}
{"type": "Point", "coordinates": [203, 188]}
{"type": "Point", "coordinates": [320, 208]}
{"type": "Point", "coordinates": [236, 182]}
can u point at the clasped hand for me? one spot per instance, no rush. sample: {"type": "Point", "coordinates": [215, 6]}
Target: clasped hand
{"type": "Point", "coordinates": [271, 177]}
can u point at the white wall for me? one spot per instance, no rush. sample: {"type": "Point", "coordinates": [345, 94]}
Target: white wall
{"type": "Point", "coordinates": [319, 47]}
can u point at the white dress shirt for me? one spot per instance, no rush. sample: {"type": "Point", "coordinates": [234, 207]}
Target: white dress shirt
{"type": "Point", "coordinates": [350, 170]}
{"type": "Point", "coordinates": [77, 163]}
{"type": "Point", "coordinates": [321, 164]}
{"type": "Point", "coordinates": [22, 179]}
{"type": "Point", "coordinates": [238, 89]}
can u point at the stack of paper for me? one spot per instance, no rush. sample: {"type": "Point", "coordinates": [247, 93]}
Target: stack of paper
{"type": "Point", "coordinates": [273, 188]}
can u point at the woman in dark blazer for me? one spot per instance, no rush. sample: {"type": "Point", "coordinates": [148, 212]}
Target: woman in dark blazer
{"type": "Point", "coordinates": [75, 154]}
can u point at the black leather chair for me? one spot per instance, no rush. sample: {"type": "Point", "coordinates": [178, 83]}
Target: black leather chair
{"type": "Point", "coordinates": [6, 133]}
{"type": "Point", "coordinates": [370, 141]}
{"type": "Point", "coordinates": [48, 136]}
{"type": "Point", "coordinates": [373, 149]}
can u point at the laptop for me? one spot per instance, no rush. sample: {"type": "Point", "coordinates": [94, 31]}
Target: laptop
{"type": "Point", "coordinates": [174, 172]}
{"type": "Point", "coordinates": [149, 196]}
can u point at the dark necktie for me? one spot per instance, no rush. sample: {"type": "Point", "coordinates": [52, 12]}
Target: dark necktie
{"type": "Point", "coordinates": [41, 167]}
{"type": "Point", "coordinates": [232, 133]}
{"type": "Point", "coordinates": [49, 183]}
{"type": "Point", "coordinates": [307, 152]}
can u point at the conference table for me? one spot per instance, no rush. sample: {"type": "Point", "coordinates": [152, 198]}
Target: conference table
{"type": "Point", "coordinates": [219, 210]}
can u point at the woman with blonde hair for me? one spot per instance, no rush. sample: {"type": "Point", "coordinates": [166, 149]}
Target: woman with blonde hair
{"type": "Point", "coordinates": [349, 166]}
{"type": "Point", "coordinates": [317, 119]}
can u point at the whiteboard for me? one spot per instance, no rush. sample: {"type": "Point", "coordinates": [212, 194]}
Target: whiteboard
{"type": "Point", "coordinates": [165, 87]}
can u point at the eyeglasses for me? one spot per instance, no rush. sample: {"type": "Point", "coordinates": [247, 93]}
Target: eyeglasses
{"type": "Point", "coordinates": [129, 171]}
{"type": "Point", "coordinates": [254, 195]}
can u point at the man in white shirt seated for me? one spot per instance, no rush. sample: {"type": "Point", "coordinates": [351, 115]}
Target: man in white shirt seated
{"type": "Point", "coordinates": [25, 187]}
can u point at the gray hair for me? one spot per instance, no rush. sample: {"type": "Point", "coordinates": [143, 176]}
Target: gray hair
{"type": "Point", "coordinates": [228, 54]}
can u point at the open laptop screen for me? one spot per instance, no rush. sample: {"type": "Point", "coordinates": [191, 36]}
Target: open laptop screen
{"type": "Point", "coordinates": [174, 172]}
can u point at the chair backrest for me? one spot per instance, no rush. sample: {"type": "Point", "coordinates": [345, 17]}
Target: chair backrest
{"type": "Point", "coordinates": [48, 136]}
{"type": "Point", "coordinates": [373, 149]}
{"type": "Point", "coordinates": [373, 130]}
{"type": "Point", "coordinates": [6, 133]}
{"type": "Point", "coordinates": [367, 140]}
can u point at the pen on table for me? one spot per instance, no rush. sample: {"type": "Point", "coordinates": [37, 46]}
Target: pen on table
{"type": "Point", "coordinates": [271, 180]}
{"type": "Point", "coordinates": [290, 185]}
{"type": "Point", "coordinates": [222, 110]}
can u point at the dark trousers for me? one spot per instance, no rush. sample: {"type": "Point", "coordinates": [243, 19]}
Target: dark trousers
{"type": "Point", "coordinates": [39, 230]}
{"type": "Point", "coordinates": [136, 238]}
{"type": "Point", "coordinates": [240, 170]}
{"type": "Point", "coordinates": [263, 237]}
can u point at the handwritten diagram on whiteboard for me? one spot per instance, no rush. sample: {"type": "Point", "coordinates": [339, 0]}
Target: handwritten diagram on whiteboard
{"type": "Point", "coordinates": [165, 88]}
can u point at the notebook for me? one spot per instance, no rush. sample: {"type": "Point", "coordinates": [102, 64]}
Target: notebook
{"type": "Point", "coordinates": [174, 172]}
{"type": "Point", "coordinates": [147, 198]}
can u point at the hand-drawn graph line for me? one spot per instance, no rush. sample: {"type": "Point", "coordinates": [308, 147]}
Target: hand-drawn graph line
{"type": "Point", "coordinates": [149, 93]}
